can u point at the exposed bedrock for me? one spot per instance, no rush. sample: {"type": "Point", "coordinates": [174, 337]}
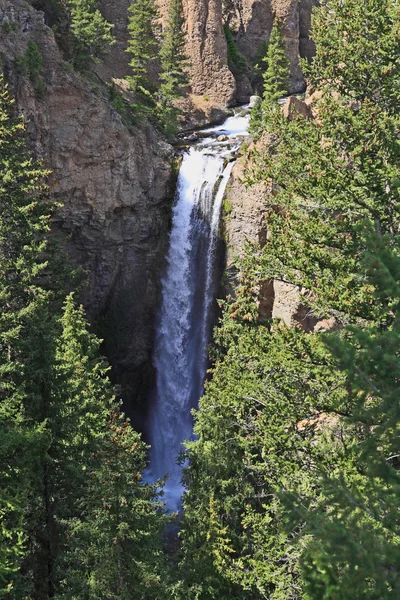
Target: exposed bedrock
{"type": "Point", "coordinates": [253, 19]}
{"type": "Point", "coordinates": [246, 219]}
{"type": "Point", "coordinates": [114, 187]}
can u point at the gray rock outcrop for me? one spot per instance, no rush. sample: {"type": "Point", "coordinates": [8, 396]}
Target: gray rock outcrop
{"type": "Point", "coordinates": [253, 19]}
{"type": "Point", "coordinates": [114, 187]}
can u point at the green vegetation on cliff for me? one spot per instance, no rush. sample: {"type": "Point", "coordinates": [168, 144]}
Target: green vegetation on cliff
{"type": "Point", "coordinates": [236, 61]}
{"type": "Point", "coordinates": [275, 76]}
{"type": "Point", "coordinates": [142, 43]}
{"type": "Point", "coordinates": [157, 99]}
{"type": "Point", "coordinates": [92, 34]}
{"type": "Point", "coordinates": [293, 483]}
{"type": "Point", "coordinates": [76, 521]}
{"type": "Point", "coordinates": [173, 63]}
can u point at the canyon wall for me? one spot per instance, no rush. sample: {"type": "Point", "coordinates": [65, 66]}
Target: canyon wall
{"type": "Point", "coordinates": [213, 87]}
{"type": "Point", "coordinates": [245, 219]}
{"type": "Point", "coordinates": [253, 20]}
{"type": "Point", "coordinates": [113, 179]}
{"type": "Point", "coordinates": [113, 184]}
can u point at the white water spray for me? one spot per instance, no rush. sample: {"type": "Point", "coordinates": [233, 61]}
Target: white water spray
{"type": "Point", "coordinates": [188, 293]}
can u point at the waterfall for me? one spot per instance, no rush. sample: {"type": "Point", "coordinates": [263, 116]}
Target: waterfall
{"type": "Point", "coordinates": [189, 288]}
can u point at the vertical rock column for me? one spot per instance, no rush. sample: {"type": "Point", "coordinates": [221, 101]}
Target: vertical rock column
{"type": "Point", "coordinates": [254, 23]}
{"type": "Point", "coordinates": [210, 77]}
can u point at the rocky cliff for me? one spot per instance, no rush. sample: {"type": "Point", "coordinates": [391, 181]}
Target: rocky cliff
{"type": "Point", "coordinates": [213, 87]}
{"type": "Point", "coordinates": [245, 220]}
{"type": "Point", "coordinates": [212, 84]}
{"type": "Point", "coordinates": [253, 20]}
{"type": "Point", "coordinates": [113, 183]}
{"type": "Point", "coordinates": [112, 179]}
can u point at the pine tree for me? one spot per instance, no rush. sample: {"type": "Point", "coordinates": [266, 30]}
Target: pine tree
{"type": "Point", "coordinates": [236, 61]}
{"type": "Point", "coordinates": [173, 63]}
{"type": "Point", "coordinates": [111, 523]}
{"type": "Point", "coordinates": [25, 220]}
{"type": "Point", "coordinates": [302, 423]}
{"type": "Point", "coordinates": [355, 527]}
{"type": "Point", "coordinates": [142, 44]}
{"type": "Point", "coordinates": [92, 33]}
{"type": "Point", "coordinates": [276, 75]}
{"type": "Point", "coordinates": [67, 453]}
{"type": "Point", "coordinates": [275, 79]}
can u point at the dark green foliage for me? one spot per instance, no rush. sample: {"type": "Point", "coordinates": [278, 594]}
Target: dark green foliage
{"type": "Point", "coordinates": [24, 221]}
{"type": "Point", "coordinates": [256, 117]}
{"type": "Point", "coordinates": [128, 113]}
{"type": "Point", "coordinates": [236, 61]}
{"type": "Point", "coordinates": [275, 75]}
{"type": "Point", "coordinates": [357, 51]}
{"type": "Point", "coordinates": [76, 521]}
{"type": "Point", "coordinates": [142, 45]}
{"type": "Point", "coordinates": [293, 484]}
{"type": "Point", "coordinates": [31, 64]}
{"type": "Point", "coordinates": [250, 445]}
{"type": "Point", "coordinates": [259, 66]}
{"type": "Point", "coordinates": [173, 62]}
{"type": "Point", "coordinates": [355, 528]}
{"type": "Point", "coordinates": [8, 27]}
{"type": "Point", "coordinates": [92, 34]}
{"type": "Point", "coordinates": [113, 527]}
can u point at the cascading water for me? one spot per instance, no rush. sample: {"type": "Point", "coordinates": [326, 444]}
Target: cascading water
{"type": "Point", "coordinates": [188, 293]}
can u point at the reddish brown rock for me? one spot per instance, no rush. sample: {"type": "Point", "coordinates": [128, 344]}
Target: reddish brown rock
{"type": "Point", "coordinates": [294, 107]}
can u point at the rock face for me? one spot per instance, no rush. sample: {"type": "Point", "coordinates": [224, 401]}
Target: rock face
{"type": "Point", "coordinates": [247, 221]}
{"type": "Point", "coordinates": [113, 183]}
{"type": "Point", "coordinates": [206, 50]}
{"type": "Point", "coordinates": [213, 88]}
{"type": "Point", "coordinates": [116, 63]}
{"type": "Point", "coordinates": [253, 20]}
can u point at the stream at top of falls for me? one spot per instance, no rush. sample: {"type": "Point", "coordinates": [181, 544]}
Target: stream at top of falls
{"type": "Point", "coordinates": [189, 289]}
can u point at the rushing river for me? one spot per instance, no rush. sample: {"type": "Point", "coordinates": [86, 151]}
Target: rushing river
{"type": "Point", "coordinates": [189, 290]}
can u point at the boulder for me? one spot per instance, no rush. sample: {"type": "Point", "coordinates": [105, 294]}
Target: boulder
{"type": "Point", "coordinates": [294, 107]}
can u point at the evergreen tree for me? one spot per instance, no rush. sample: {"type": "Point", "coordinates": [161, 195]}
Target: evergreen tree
{"type": "Point", "coordinates": [24, 222]}
{"type": "Point", "coordinates": [276, 75]}
{"type": "Point", "coordinates": [264, 383]}
{"type": "Point", "coordinates": [355, 527]}
{"type": "Point", "coordinates": [236, 61]}
{"type": "Point", "coordinates": [291, 422]}
{"type": "Point", "coordinates": [31, 64]}
{"type": "Point", "coordinates": [173, 62]}
{"type": "Point", "coordinates": [142, 44]}
{"type": "Point", "coordinates": [275, 79]}
{"type": "Point", "coordinates": [331, 172]}
{"type": "Point", "coordinates": [70, 463]}
{"type": "Point", "coordinates": [92, 33]}
{"type": "Point", "coordinates": [113, 524]}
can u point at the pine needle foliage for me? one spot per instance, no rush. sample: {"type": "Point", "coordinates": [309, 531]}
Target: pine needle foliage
{"type": "Point", "coordinates": [76, 520]}
{"type": "Point", "coordinates": [293, 482]}
{"type": "Point", "coordinates": [142, 44]}
{"type": "Point", "coordinates": [236, 61]}
{"type": "Point", "coordinates": [92, 34]}
{"type": "Point", "coordinates": [24, 221]}
{"type": "Point", "coordinates": [173, 63]}
{"type": "Point", "coordinates": [276, 74]}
